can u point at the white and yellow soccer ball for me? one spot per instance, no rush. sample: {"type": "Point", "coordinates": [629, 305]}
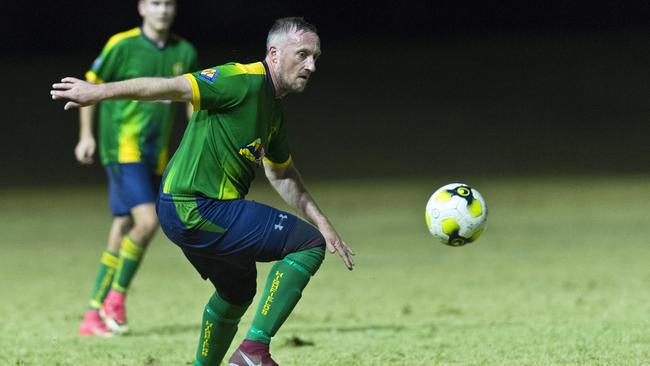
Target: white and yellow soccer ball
{"type": "Point", "coordinates": [456, 214]}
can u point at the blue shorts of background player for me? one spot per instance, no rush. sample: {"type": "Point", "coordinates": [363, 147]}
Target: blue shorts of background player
{"type": "Point", "coordinates": [130, 185]}
{"type": "Point", "coordinates": [229, 236]}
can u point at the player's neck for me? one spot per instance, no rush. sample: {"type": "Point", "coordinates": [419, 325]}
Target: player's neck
{"type": "Point", "coordinates": [159, 38]}
{"type": "Point", "coordinates": [279, 93]}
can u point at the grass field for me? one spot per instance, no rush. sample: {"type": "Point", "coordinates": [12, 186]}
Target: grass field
{"type": "Point", "coordinates": [560, 277]}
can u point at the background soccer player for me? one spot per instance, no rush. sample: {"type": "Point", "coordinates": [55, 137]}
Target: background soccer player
{"type": "Point", "coordinates": [133, 146]}
{"type": "Point", "coordinates": [238, 125]}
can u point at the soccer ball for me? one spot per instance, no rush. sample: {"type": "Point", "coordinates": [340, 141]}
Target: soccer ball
{"type": "Point", "coordinates": [456, 214]}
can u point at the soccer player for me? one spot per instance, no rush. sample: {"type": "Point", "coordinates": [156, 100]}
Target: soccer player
{"type": "Point", "coordinates": [134, 138]}
{"type": "Point", "coordinates": [238, 124]}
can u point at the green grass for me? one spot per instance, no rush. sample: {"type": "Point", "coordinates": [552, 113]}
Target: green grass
{"type": "Point", "coordinates": [560, 277]}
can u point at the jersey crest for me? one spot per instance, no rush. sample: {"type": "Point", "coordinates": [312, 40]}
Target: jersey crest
{"type": "Point", "coordinates": [209, 75]}
{"type": "Point", "coordinates": [253, 152]}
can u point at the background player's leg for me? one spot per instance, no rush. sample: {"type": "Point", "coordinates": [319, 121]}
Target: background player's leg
{"type": "Point", "coordinates": [92, 323]}
{"type": "Point", "coordinates": [121, 225]}
{"type": "Point", "coordinates": [145, 223]}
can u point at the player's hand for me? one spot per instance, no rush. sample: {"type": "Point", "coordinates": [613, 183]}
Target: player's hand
{"type": "Point", "coordinates": [336, 244]}
{"type": "Point", "coordinates": [79, 93]}
{"type": "Point", "coordinates": [85, 150]}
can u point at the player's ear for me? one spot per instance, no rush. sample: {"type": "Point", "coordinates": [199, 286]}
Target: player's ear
{"type": "Point", "coordinates": [273, 54]}
{"type": "Point", "coordinates": [141, 4]}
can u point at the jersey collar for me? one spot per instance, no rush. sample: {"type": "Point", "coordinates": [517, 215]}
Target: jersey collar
{"type": "Point", "coordinates": [154, 43]}
{"type": "Point", "coordinates": [269, 80]}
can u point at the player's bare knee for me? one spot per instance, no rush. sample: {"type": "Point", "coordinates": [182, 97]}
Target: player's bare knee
{"type": "Point", "coordinates": [120, 227]}
{"type": "Point", "coordinates": [145, 221]}
{"type": "Point", "coordinates": [122, 224]}
{"type": "Point", "coordinates": [143, 231]}
{"type": "Point", "coordinates": [147, 225]}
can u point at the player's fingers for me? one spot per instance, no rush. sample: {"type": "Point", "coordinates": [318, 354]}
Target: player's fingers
{"type": "Point", "coordinates": [347, 260]}
{"type": "Point", "coordinates": [62, 86]}
{"type": "Point", "coordinates": [82, 157]}
{"type": "Point", "coordinates": [88, 157]}
{"type": "Point", "coordinates": [347, 248]}
{"type": "Point", "coordinates": [57, 94]}
{"type": "Point", "coordinates": [60, 94]}
{"type": "Point", "coordinates": [330, 246]}
{"type": "Point", "coordinates": [70, 105]}
{"type": "Point", "coordinates": [69, 79]}
{"type": "Point", "coordinates": [343, 252]}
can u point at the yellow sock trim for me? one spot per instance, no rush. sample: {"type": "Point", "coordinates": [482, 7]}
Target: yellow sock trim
{"type": "Point", "coordinates": [109, 259]}
{"type": "Point", "coordinates": [131, 250]}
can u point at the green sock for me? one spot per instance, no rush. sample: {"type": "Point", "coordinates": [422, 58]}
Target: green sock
{"type": "Point", "coordinates": [219, 325]}
{"type": "Point", "coordinates": [104, 278]}
{"type": "Point", "coordinates": [128, 263]}
{"type": "Point", "coordinates": [284, 286]}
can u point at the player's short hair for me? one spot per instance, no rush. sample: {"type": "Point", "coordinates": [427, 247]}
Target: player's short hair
{"type": "Point", "coordinates": [284, 26]}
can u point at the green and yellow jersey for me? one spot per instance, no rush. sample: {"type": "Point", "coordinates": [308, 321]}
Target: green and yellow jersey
{"type": "Point", "coordinates": [237, 123]}
{"type": "Point", "coordinates": [135, 131]}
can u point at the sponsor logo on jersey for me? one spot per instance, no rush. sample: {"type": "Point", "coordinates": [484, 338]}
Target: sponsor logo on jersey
{"type": "Point", "coordinates": [253, 152]}
{"type": "Point", "coordinates": [209, 75]}
{"type": "Point", "coordinates": [178, 68]}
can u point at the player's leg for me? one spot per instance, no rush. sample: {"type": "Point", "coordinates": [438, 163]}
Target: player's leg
{"type": "Point", "coordinates": [286, 280]}
{"type": "Point", "coordinates": [92, 324]}
{"type": "Point", "coordinates": [301, 251]}
{"type": "Point", "coordinates": [234, 278]}
{"type": "Point", "coordinates": [134, 244]}
{"type": "Point", "coordinates": [232, 235]}
{"type": "Point", "coordinates": [138, 188]}
{"type": "Point", "coordinates": [233, 273]}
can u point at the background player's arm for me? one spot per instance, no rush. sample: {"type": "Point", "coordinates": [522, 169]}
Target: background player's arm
{"type": "Point", "coordinates": [86, 146]}
{"type": "Point", "coordinates": [81, 93]}
{"type": "Point", "coordinates": [189, 109]}
{"type": "Point", "coordinates": [288, 183]}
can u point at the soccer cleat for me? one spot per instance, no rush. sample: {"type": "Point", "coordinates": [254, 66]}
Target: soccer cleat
{"type": "Point", "coordinates": [93, 325]}
{"type": "Point", "coordinates": [252, 353]}
{"type": "Point", "coordinates": [114, 313]}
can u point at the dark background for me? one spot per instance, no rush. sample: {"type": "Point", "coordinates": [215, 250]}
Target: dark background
{"type": "Point", "coordinates": [403, 88]}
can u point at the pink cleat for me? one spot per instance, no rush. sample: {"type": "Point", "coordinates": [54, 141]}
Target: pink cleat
{"type": "Point", "coordinates": [93, 325]}
{"type": "Point", "coordinates": [251, 353]}
{"type": "Point", "coordinates": [114, 313]}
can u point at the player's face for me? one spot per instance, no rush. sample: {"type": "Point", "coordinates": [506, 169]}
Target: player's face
{"type": "Point", "coordinates": [297, 61]}
{"type": "Point", "coordinates": [158, 14]}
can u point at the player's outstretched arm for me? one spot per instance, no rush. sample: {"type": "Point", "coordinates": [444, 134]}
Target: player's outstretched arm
{"type": "Point", "coordinates": [288, 183]}
{"type": "Point", "coordinates": [81, 93]}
